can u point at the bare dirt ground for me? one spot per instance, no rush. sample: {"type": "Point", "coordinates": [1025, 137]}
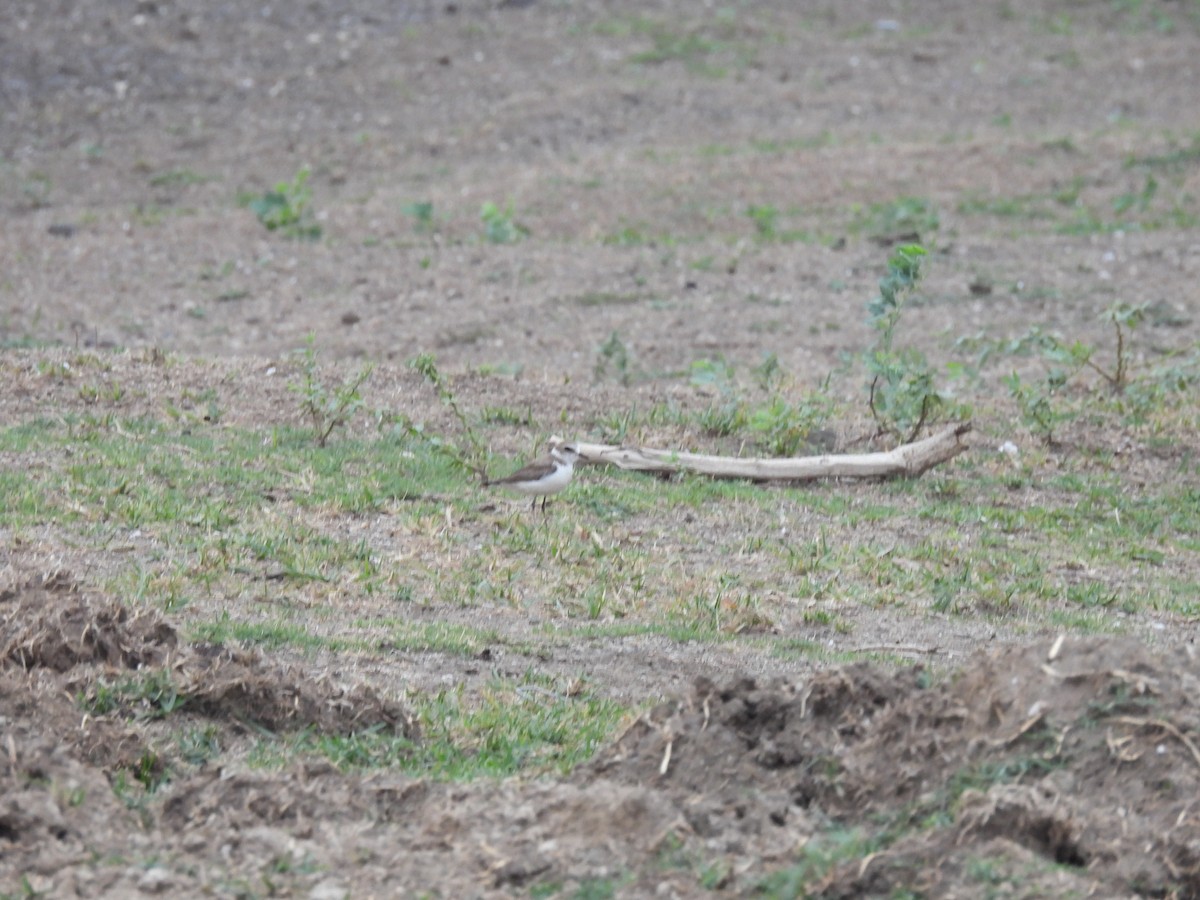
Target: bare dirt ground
{"type": "Point", "coordinates": [631, 140]}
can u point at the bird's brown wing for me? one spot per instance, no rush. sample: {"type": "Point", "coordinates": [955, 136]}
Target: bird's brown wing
{"type": "Point", "coordinates": [531, 472]}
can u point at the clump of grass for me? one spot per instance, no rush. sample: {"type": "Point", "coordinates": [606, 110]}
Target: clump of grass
{"type": "Point", "coordinates": [767, 228]}
{"type": "Point", "coordinates": [151, 694]}
{"type": "Point", "coordinates": [817, 859]}
{"type": "Point", "coordinates": [327, 408]}
{"type": "Point", "coordinates": [529, 724]}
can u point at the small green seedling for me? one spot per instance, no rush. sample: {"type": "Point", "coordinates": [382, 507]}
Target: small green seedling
{"type": "Point", "coordinates": [499, 226]}
{"type": "Point", "coordinates": [288, 208]}
{"type": "Point", "coordinates": [902, 394]}
{"type": "Point", "coordinates": [327, 409]}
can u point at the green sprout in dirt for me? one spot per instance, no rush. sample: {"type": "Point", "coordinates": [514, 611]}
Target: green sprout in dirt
{"type": "Point", "coordinates": [903, 397]}
{"type": "Point", "coordinates": [908, 218]}
{"type": "Point", "coordinates": [767, 226]}
{"type": "Point", "coordinates": [1076, 356]}
{"type": "Point", "coordinates": [499, 226]}
{"type": "Point", "coordinates": [472, 459]}
{"type": "Point", "coordinates": [422, 215]}
{"type": "Point", "coordinates": [766, 219]}
{"type": "Point", "coordinates": [1036, 400]}
{"type": "Point", "coordinates": [327, 408]}
{"type": "Point", "coordinates": [1125, 319]}
{"type": "Point", "coordinates": [780, 424]}
{"type": "Point", "coordinates": [1039, 400]}
{"type": "Point", "coordinates": [150, 694]}
{"type": "Point", "coordinates": [614, 354]}
{"type": "Point", "coordinates": [287, 209]}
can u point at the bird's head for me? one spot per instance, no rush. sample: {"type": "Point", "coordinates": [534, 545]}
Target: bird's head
{"type": "Point", "coordinates": [567, 453]}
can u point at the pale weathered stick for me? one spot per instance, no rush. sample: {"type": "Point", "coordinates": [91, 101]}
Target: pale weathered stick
{"type": "Point", "coordinates": [907, 460]}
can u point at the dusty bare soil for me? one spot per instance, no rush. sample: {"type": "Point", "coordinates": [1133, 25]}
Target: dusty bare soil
{"type": "Point", "coordinates": [722, 786]}
{"type": "Point", "coordinates": [630, 139]}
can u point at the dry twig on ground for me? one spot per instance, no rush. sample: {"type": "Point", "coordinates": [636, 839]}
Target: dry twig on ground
{"type": "Point", "coordinates": [906, 461]}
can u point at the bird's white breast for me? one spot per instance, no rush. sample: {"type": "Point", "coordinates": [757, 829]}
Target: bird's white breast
{"type": "Point", "coordinates": [551, 484]}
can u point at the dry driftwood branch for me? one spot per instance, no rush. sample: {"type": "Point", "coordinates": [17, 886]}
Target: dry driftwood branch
{"type": "Point", "coordinates": [906, 461]}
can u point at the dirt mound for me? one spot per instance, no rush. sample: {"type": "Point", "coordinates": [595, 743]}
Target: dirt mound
{"type": "Point", "coordinates": [1036, 771]}
{"type": "Point", "coordinates": [1081, 766]}
{"type": "Point", "coordinates": [55, 795]}
{"type": "Point", "coordinates": [48, 621]}
{"type": "Point", "coordinates": [82, 676]}
{"type": "Point", "coordinates": [223, 683]}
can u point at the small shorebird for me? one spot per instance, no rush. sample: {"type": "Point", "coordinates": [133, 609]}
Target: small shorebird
{"type": "Point", "coordinates": [546, 476]}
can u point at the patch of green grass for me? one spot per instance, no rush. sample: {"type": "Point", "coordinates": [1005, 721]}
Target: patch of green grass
{"type": "Point", "coordinates": [819, 856]}
{"type": "Point", "coordinates": [421, 213]}
{"type": "Point", "coordinates": [777, 420]}
{"type": "Point", "coordinates": [693, 50]}
{"type": "Point", "coordinates": [271, 635]}
{"type": "Point", "coordinates": [1148, 207]}
{"type": "Point", "coordinates": [177, 178]}
{"type": "Point", "coordinates": [766, 219]}
{"type": "Point", "coordinates": [710, 49]}
{"type": "Point", "coordinates": [442, 637]}
{"type": "Point", "coordinates": [821, 139]}
{"type": "Point", "coordinates": [1180, 158]}
{"type": "Point", "coordinates": [638, 234]}
{"type": "Point", "coordinates": [606, 298]}
{"type": "Point", "coordinates": [506, 415]}
{"type": "Point", "coordinates": [202, 491]}
{"type": "Point", "coordinates": [596, 889]}
{"type": "Point", "coordinates": [905, 219]}
{"type": "Point", "coordinates": [523, 725]}
{"type": "Point", "coordinates": [218, 511]}
{"type": "Point", "coordinates": [152, 693]}
{"type": "Point", "coordinates": [1026, 207]}
{"type": "Point", "coordinates": [199, 745]}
